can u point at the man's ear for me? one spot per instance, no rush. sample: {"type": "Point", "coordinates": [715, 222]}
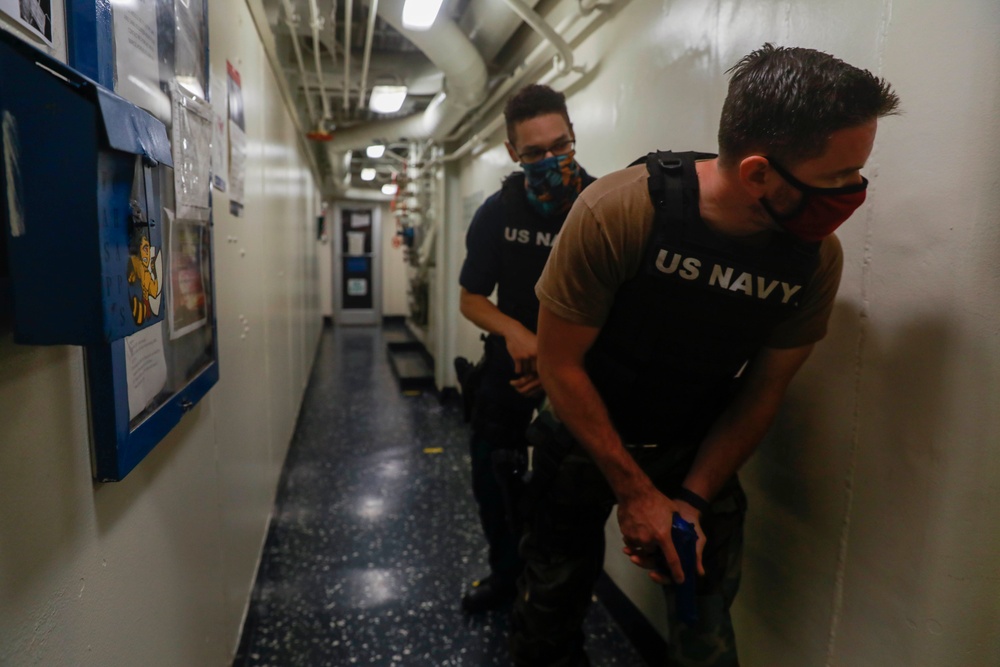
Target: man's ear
{"type": "Point", "coordinates": [756, 175]}
{"type": "Point", "coordinates": [511, 152]}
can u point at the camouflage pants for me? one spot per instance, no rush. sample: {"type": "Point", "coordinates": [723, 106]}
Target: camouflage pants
{"type": "Point", "coordinates": [563, 551]}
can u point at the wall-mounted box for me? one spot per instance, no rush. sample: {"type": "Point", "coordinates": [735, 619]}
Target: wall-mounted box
{"type": "Point", "coordinates": [80, 202]}
{"type": "Point", "coordinates": [92, 251]}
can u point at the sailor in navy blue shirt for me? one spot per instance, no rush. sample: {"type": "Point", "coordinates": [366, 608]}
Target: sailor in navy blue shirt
{"type": "Point", "coordinates": [508, 243]}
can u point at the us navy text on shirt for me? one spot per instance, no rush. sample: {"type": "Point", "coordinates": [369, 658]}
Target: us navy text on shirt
{"type": "Point", "coordinates": [524, 236]}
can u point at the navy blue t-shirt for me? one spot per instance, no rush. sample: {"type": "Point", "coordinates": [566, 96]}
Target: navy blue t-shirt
{"type": "Point", "coordinates": [507, 246]}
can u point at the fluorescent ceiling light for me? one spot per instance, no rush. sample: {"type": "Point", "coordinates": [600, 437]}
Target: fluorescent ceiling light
{"type": "Point", "coordinates": [387, 99]}
{"type": "Point", "coordinates": [420, 14]}
{"type": "Point", "coordinates": [389, 189]}
{"type": "Point", "coordinates": [368, 174]}
{"type": "Point", "coordinates": [375, 151]}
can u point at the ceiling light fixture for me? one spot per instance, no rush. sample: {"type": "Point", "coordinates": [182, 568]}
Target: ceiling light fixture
{"type": "Point", "coordinates": [420, 14]}
{"type": "Point", "coordinates": [368, 174]}
{"type": "Point", "coordinates": [375, 151]}
{"type": "Point", "coordinates": [387, 99]}
{"type": "Point", "coordinates": [390, 189]}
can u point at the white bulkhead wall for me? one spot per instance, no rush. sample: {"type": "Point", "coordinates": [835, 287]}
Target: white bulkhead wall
{"type": "Point", "coordinates": [157, 569]}
{"type": "Point", "coordinates": [872, 533]}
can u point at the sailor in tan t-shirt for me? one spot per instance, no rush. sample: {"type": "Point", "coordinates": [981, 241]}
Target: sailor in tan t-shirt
{"type": "Point", "coordinates": [682, 297]}
{"type": "Point", "coordinates": [602, 245]}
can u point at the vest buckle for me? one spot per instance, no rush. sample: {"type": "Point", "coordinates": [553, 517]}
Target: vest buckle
{"type": "Point", "coordinates": [671, 165]}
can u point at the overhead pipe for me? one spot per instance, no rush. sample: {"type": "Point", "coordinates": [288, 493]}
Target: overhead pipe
{"type": "Point", "coordinates": [564, 62]}
{"type": "Point", "coordinates": [529, 65]}
{"type": "Point", "coordinates": [490, 25]}
{"type": "Point", "coordinates": [369, 38]}
{"type": "Point", "coordinates": [348, 18]}
{"type": "Point", "coordinates": [316, 24]}
{"type": "Point", "coordinates": [292, 22]}
{"type": "Point", "coordinates": [450, 50]}
{"type": "Point", "coordinates": [596, 4]}
{"type": "Point", "coordinates": [421, 77]}
{"type": "Point", "coordinates": [333, 31]}
{"type": "Point", "coordinates": [416, 127]}
{"type": "Point", "coordinates": [475, 140]}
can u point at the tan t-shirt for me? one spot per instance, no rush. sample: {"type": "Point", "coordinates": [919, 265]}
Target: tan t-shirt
{"type": "Point", "coordinates": [602, 244]}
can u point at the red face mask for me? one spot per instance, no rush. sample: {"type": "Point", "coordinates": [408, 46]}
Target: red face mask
{"type": "Point", "coordinates": [821, 211]}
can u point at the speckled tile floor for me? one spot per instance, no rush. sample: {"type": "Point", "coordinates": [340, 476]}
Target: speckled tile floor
{"type": "Point", "coordinates": [375, 533]}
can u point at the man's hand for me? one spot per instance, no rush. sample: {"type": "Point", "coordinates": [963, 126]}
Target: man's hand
{"type": "Point", "coordinates": [522, 346]}
{"type": "Point", "coordinates": [528, 385]}
{"type": "Point", "coordinates": [645, 521]}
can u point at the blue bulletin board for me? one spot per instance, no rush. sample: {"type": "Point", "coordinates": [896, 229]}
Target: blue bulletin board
{"type": "Point", "coordinates": [130, 227]}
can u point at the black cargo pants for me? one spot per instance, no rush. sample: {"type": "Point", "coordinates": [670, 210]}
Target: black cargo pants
{"type": "Point", "coordinates": [500, 417]}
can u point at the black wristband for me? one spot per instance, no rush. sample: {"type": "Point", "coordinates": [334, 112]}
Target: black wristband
{"type": "Point", "coordinates": [694, 500]}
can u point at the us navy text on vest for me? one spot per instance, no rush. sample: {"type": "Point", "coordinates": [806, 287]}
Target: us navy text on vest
{"type": "Point", "coordinates": [690, 268]}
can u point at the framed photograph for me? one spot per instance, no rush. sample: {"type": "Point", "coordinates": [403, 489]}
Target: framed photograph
{"type": "Point", "coordinates": [34, 15]}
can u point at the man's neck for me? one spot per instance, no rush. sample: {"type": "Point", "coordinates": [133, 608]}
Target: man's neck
{"type": "Point", "coordinates": [725, 206]}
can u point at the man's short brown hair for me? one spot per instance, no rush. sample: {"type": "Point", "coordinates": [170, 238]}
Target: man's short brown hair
{"type": "Point", "coordinates": [531, 101]}
{"type": "Point", "coordinates": [786, 101]}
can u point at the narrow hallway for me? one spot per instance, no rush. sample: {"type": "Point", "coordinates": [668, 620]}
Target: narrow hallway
{"type": "Point", "coordinates": [375, 533]}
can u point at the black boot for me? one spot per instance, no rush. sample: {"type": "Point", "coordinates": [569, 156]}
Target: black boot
{"type": "Point", "coordinates": [489, 593]}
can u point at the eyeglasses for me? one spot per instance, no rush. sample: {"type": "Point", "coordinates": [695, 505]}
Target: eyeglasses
{"type": "Point", "coordinates": [562, 147]}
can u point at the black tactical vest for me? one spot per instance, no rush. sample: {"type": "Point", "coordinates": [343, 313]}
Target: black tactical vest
{"type": "Point", "coordinates": [667, 359]}
{"type": "Point", "coordinates": [527, 242]}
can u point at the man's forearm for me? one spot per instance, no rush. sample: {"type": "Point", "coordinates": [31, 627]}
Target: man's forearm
{"type": "Point", "coordinates": [738, 431]}
{"type": "Point", "coordinates": [578, 405]}
{"type": "Point", "coordinates": [731, 442]}
{"type": "Point", "coordinates": [484, 314]}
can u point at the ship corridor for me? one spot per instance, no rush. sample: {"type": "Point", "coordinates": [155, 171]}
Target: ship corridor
{"type": "Point", "coordinates": [375, 535]}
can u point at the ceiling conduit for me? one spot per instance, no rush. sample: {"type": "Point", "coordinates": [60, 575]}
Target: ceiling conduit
{"type": "Point", "coordinates": [490, 25]}
{"type": "Point", "coordinates": [348, 11]}
{"type": "Point", "coordinates": [575, 24]}
{"type": "Point", "coordinates": [316, 23]}
{"type": "Point", "coordinates": [447, 47]}
{"type": "Point", "coordinates": [292, 22]}
{"type": "Point", "coordinates": [332, 19]}
{"type": "Point", "coordinates": [534, 60]}
{"type": "Point", "coordinates": [564, 61]}
{"type": "Point", "coordinates": [372, 12]}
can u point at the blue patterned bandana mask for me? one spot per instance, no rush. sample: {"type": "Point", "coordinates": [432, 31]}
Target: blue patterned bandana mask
{"type": "Point", "coordinates": [553, 184]}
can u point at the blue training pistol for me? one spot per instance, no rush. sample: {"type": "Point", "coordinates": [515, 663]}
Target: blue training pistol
{"type": "Point", "coordinates": [685, 540]}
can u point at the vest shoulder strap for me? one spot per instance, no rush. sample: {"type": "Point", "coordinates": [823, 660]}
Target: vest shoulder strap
{"type": "Point", "coordinates": [670, 176]}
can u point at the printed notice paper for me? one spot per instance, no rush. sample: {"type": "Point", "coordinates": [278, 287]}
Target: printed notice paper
{"type": "Point", "coordinates": [237, 140]}
{"type": "Point", "coordinates": [220, 141]}
{"type": "Point", "coordinates": [145, 367]}
{"type": "Point", "coordinates": [136, 65]}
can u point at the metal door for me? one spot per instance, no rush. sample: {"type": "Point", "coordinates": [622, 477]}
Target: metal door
{"type": "Point", "coordinates": [357, 284]}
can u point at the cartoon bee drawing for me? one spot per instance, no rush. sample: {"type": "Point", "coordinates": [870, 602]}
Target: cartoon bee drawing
{"type": "Point", "coordinates": [143, 281]}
